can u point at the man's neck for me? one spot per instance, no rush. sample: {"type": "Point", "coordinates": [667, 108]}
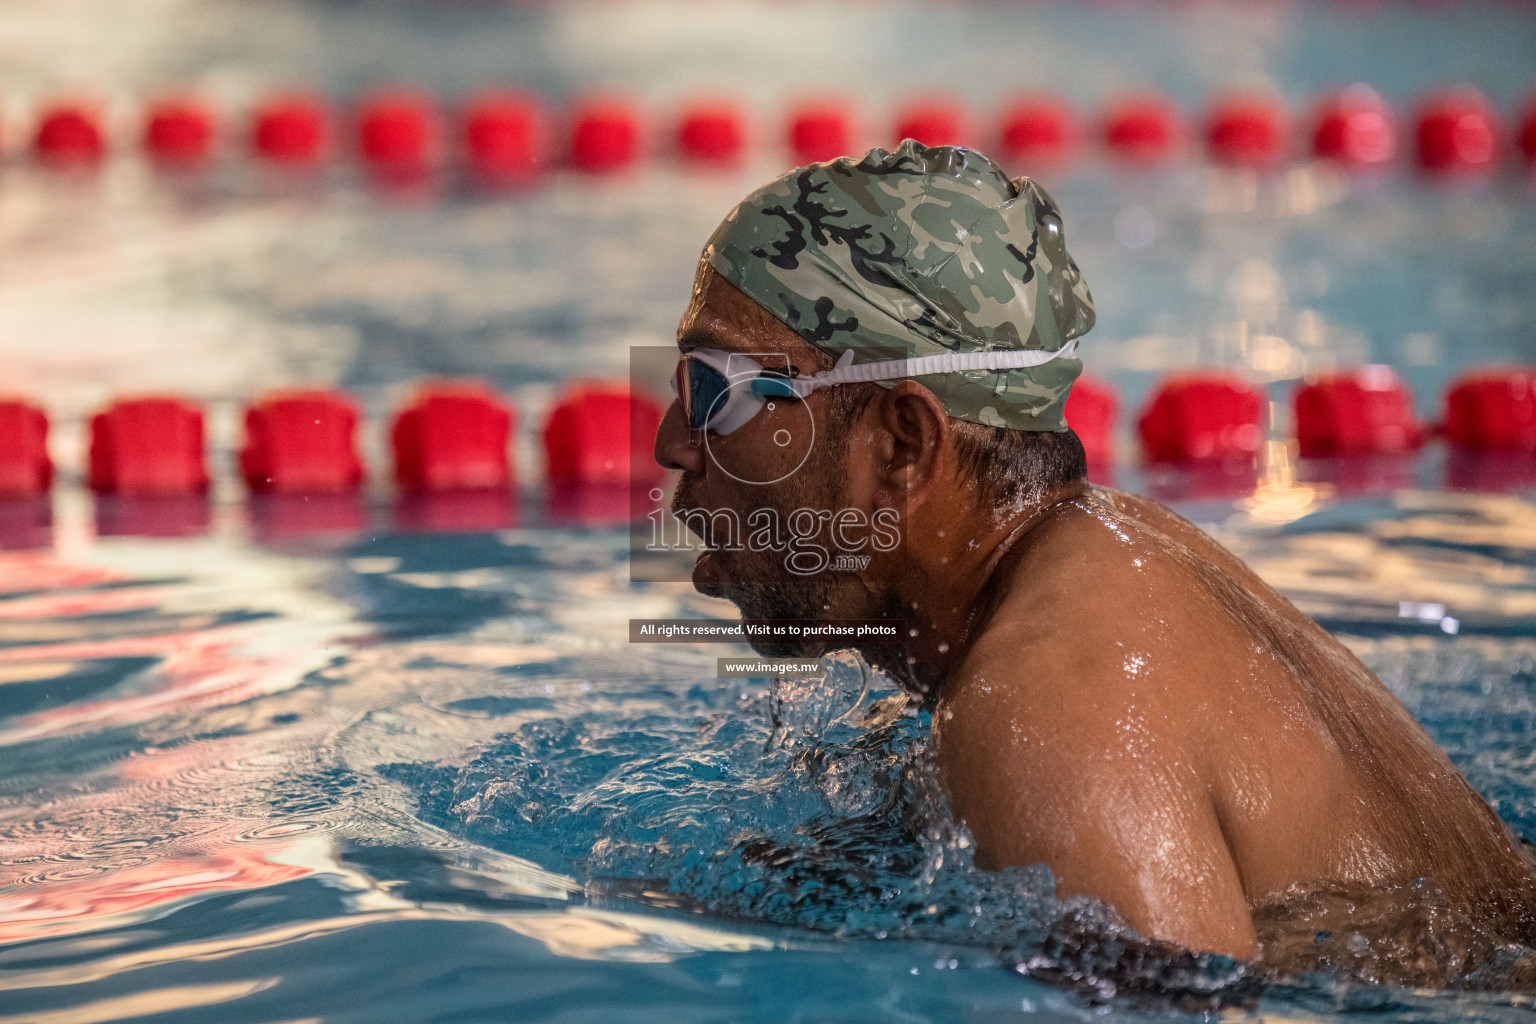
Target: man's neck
{"type": "Point", "coordinates": [956, 576]}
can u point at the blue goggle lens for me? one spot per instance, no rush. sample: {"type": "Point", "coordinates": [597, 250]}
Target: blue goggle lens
{"type": "Point", "coordinates": [773, 387]}
{"type": "Point", "coordinates": [701, 388]}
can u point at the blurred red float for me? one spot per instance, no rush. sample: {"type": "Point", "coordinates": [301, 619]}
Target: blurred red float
{"type": "Point", "coordinates": [1457, 134]}
{"type": "Point", "coordinates": [1141, 129]}
{"type": "Point", "coordinates": [605, 136]}
{"type": "Point", "coordinates": [179, 131]}
{"type": "Point", "coordinates": [933, 122]}
{"type": "Point", "coordinates": [148, 446]}
{"type": "Point", "coordinates": [397, 129]}
{"type": "Point", "coordinates": [301, 442]}
{"type": "Point", "coordinates": [25, 468]}
{"type": "Point", "coordinates": [1492, 409]}
{"type": "Point", "coordinates": [290, 129]}
{"type": "Point", "coordinates": [70, 134]}
{"type": "Point", "coordinates": [1203, 416]}
{"type": "Point", "coordinates": [1091, 410]}
{"type": "Point", "coordinates": [600, 432]}
{"type": "Point", "coordinates": [1037, 130]}
{"type": "Point", "coordinates": [1355, 128]}
{"type": "Point", "coordinates": [820, 131]}
{"type": "Point", "coordinates": [1364, 410]}
{"type": "Point", "coordinates": [711, 133]}
{"type": "Point", "coordinates": [505, 134]}
{"type": "Point", "coordinates": [1526, 139]}
{"type": "Point", "coordinates": [1246, 131]}
{"type": "Point", "coordinates": [453, 436]}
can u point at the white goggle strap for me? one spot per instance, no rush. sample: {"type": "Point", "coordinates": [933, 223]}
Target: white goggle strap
{"type": "Point", "coordinates": [847, 372]}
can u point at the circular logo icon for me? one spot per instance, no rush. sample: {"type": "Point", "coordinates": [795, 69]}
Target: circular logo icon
{"type": "Point", "coordinates": [794, 432]}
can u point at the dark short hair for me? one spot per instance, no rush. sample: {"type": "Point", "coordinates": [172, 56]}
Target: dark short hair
{"type": "Point", "coordinates": [1013, 467]}
{"type": "Point", "coordinates": [1010, 467]}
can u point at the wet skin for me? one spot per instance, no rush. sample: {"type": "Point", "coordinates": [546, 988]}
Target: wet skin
{"type": "Point", "coordinates": [1113, 693]}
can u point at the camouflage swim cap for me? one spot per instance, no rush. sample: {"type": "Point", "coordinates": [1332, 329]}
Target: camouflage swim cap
{"type": "Point", "coordinates": [918, 252]}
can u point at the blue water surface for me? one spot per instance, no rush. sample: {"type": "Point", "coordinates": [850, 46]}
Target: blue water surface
{"type": "Point", "coordinates": [426, 777]}
{"type": "Point", "coordinates": [255, 773]}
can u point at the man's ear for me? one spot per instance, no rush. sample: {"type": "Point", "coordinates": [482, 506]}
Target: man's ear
{"type": "Point", "coordinates": [917, 432]}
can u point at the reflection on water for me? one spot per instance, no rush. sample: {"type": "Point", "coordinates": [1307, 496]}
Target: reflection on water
{"type": "Point", "coordinates": [87, 898]}
{"type": "Point", "coordinates": [388, 776]}
{"type": "Point", "coordinates": [225, 762]}
{"type": "Point", "coordinates": [1357, 568]}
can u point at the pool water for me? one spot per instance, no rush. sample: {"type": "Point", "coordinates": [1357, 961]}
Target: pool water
{"type": "Point", "coordinates": [254, 772]}
{"type": "Point", "coordinates": [426, 777]}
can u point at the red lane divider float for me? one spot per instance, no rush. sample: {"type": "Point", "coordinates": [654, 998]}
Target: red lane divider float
{"type": "Point", "coordinates": [598, 432]}
{"type": "Point", "coordinates": [25, 469]}
{"type": "Point", "coordinates": [598, 443]}
{"type": "Point", "coordinates": [179, 131]}
{"type": "Point", "coordinates": [1091, 410]}
{"type": "Point", "coordinates": [1209, 425]}
{"type": "Point", "coordinates": [712, 133]}
{"type": "Point", "coordinates": [290, 129]}
{"type": "Point", "coordinates": [397, 130]}
{"type": "Point", "coordinates": [1038, 131]}
{"type": "Point", "coordinates": [506, 134]}
{"type": "Point", "coordinates": [1492, 409]}
{"type": "Point", "coordinates": [1365, 410]}
{"type": "Point", "coordinates": [70, 134]}
{"type": "Point", "coordinates": [1526, 134]}
{"type": "Point", "coordinates": [933, 121]}
{"type": "Point", "coordinates": [452, 460]}
{"type": "Point", "coordinates": [821, 130]}
{"type": "Point", "coordinates": [453, 436]}
{"type": "Point", "coordinates": [1457, 134]}
{"type": "Point", "coordinates": [1205, 416]}
{"type": "Point", "coordinates": [146, 465]}
{"type": "Point", "coordinates": [605, 136]}
{"type": "Point", "coordinates": [1246, 131]}
{"type": "Point", "coordinates": [506, 137]}
{"type": "Point", "coordinates": [452, 463]}
{"type": "Point", "coordinates": [1142, 129]}
{"type": "Point", "coordinates": [301, 442]}
{"type": "Point", "coordinates": [1354, 127]}
{"type": "Point", "coordinates": [148, 446]}
{"type": "Point", "coordinates": [1490, 423]}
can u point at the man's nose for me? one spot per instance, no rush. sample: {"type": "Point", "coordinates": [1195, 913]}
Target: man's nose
{"type": "Point", "coordinates": [673, 448]}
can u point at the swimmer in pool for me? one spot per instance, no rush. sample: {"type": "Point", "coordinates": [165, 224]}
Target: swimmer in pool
{"type": "Point", "coordinates": [1113, 693]}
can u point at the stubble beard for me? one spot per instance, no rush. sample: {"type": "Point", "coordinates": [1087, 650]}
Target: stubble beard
{"type": "Point", "coordinates": [754, 580]}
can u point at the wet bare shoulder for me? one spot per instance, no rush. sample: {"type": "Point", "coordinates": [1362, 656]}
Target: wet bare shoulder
{"type": "Point", "coordinates": [1159, 517]}
{"type": "Point", "coordinates": [1064, 735]}
{"type": "Point", "coordinates": [1097, 561]}
{"type": "Point", "coordinates": [1101, 612]}
{"type": "Point", "coordinates": [1105, 615]}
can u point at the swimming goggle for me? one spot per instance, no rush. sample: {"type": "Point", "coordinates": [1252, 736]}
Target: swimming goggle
{"type": "Point", "coordinates": [721, 390]}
